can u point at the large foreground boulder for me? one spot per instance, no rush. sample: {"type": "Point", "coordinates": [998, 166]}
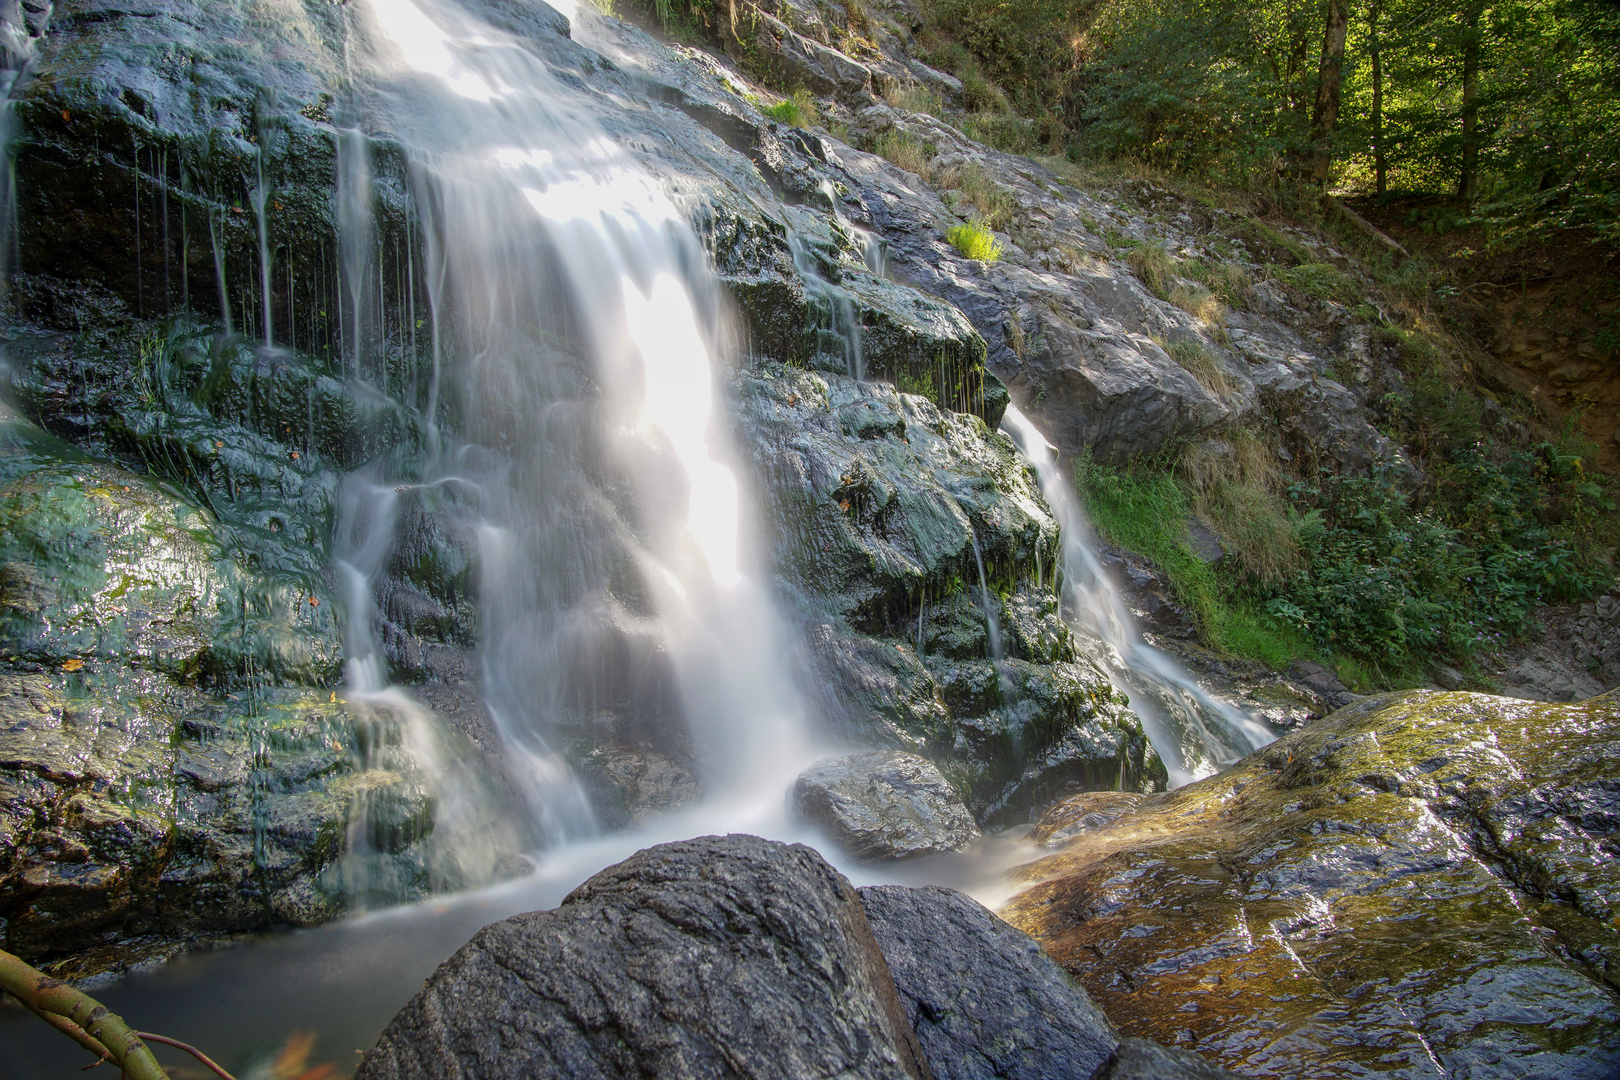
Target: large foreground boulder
{"type": "Point", "coordinates": [1420, 885]}
{"type": "Point", "coordinates": [740, 957]}
{"type": "Point", "coordinates": [984, 999]}
{"type": "Point", "coordinates": [715, 957]}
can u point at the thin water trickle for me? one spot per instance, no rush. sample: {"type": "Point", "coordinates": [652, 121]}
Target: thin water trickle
{"type": "Point", "coordinates": [839, 327]}
{"type": "Point", "coordinates": [18, 45]}
{"type": "Point", "coordinates": [1194, 732]}
{"type": "Point", "coordinates": [260, 196]}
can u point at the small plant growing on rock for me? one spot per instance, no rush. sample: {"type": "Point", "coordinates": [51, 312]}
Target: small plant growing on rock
{"type": "Point", "coordinates": [994, 203]}
{"type": "Point", "coordinates": [902, 150]}
{"type": "Point", "coordinates": [976, 241]}
{"type": "Point", "coordinates": [1201, 304]}
{"type": "Point", "coordinates": [798, 111]}
{"type": "Point", "coordinates": [1154, 267]}
{"type": "Point", "coordinates": [914, 97]}
{"type": "Point", "coordinates": [1200, 363]}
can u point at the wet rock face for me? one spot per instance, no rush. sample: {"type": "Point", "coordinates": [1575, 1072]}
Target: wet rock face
{"type": "Point", "coordinates": [1420, 885]}
{"type": "Point", "coordinates": [884, 805]}
{"type": "Point", "coordinates": [716, 957]}
{"type": "Point", "coordinates": [740, 957]}
{"type": "Point", "coordinates": [151, 789]}
{"type": "Point", "coordinates": [915, 549]}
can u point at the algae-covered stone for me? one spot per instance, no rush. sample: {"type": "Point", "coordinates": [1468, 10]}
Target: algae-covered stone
{"type": "Point", "coordinates": [131, 806]}
{"type": "Point", "coordinates": [1420, 885]}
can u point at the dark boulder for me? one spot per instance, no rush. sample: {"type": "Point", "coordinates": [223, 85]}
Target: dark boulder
{"type": "Point", "coordinates": [716, 957]}
{"type": "Point", "coordinates": [985, 1000]}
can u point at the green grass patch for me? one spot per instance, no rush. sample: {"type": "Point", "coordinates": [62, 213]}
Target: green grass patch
{"type": "Point", "coordinates": [1320, 280]}
{"type": "Point", "coordinates": [976, 241]}
{"type": "Point", "coordinates": [798, 110]}
{"type": "Point", "coordinates": [1147, 513]}
{"type": "Point", "coordinates": [903, 150]}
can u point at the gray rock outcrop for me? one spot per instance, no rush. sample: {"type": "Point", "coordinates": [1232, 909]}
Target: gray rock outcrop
{"type": "Point", "coordinates": [1421, 885]}
{"type": "Point", "coordinates": [884, 805]}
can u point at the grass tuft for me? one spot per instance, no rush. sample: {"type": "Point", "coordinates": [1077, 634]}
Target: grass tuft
{"type": "Point", "coordinates": [975, 241]}
{"type": "Point", "coordinates": [904, 151]}
{"type": "Point", "coordinates": [798, 110]}
{"type": "Point", "coordinates": [1153, 267]}
{"type": "Point", "coordinates": [1200, 363]}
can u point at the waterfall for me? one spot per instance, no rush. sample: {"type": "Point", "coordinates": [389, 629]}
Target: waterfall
{"type": "Point", "coordinates": [19, 40]}
{"type": "Point", "coordinates": [576, 436]}
{"type": "Point", "coordinates": [1193, 732]}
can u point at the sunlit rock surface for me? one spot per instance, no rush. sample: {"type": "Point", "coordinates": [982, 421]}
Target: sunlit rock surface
{"type": "Point", "coordinates": [1420, 885]}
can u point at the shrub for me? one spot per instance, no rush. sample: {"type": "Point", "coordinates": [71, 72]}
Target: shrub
{"type": "Point", "coordinates": [975, 241]}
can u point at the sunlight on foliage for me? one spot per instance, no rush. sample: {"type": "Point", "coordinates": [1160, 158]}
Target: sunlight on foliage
{"type": "Point", "coordinates": [975, 241]}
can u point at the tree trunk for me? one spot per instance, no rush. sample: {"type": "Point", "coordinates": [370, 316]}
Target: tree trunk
{"type": "Point", "coordinates": [1380, 156]}
{"type": "Point", "coordinates": [1468, 177]}
{"type": "Point", "coordinates": [1325, 117]}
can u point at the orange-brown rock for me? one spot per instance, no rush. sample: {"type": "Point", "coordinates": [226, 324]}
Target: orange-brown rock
{"type": "Point", "coordinates": [1420, 885]}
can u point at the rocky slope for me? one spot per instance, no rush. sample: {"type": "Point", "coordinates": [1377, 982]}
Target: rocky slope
{"type": "Point", "coordinates": [1420, 885]}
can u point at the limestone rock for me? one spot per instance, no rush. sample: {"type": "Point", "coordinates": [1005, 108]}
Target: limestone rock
{"type": "Point", "coordinates": [884, 805]}
{"type": "Point", "coordinates": [716, 957]}
{"type": "Point", "coordinates": [1420, 885]}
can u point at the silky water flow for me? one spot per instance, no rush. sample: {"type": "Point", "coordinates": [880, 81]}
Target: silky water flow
{"type": "Point", "coordinates": [572, 420]}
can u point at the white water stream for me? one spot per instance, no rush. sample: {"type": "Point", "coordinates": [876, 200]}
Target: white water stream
{"type": "Point", "coordinates": [574, 325]}
{"type": "Point", "coordinates": [1194, 732]}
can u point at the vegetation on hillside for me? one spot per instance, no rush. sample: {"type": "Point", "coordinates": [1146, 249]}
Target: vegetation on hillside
{"type": "Point", "coordinates": [1511, 106]}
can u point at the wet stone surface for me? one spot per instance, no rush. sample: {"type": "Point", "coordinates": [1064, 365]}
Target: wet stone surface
{"type": "Point", "coordinates": [1420, 885]}
{"type": "Point", "coordinates": [883, 805]}
{"type": "Point", "coordinates": [911, 545]}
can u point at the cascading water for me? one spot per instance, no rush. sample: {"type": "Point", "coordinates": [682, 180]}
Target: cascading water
{"type": "Point", "coordinates": [19, 40]}
{"type": "Point", "coordinates": [1193, 732]}
{"type": "Point", "coordinates": [574, 317]}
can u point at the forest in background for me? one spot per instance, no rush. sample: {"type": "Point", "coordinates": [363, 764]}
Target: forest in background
{"type": "Point", "coordinates": [1511, 109]}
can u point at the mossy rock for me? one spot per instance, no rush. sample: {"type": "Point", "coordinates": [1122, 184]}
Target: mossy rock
{"type": "Point", "coordinates": [1421, 884]}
